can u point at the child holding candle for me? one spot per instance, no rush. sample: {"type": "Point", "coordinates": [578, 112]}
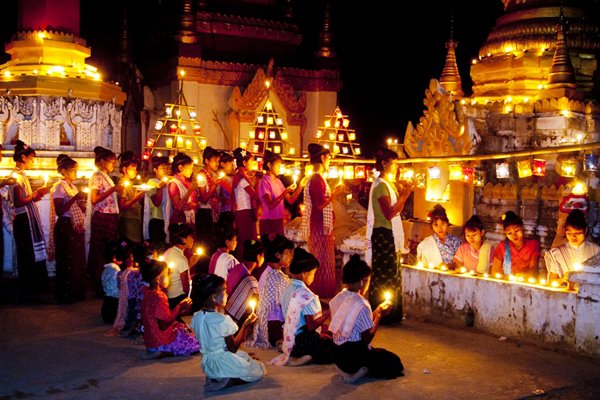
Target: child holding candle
{"type": "Point", "coordinates": [302, 342]}
{"type": "Point", "coordinates": [476, 254]}
{"type": "Point", "coordinates": [241, 285]}
{"type": "Point", "coordinates": [222, 261]}
{"type": "Point", "coordinates": [222, 361]}
{"type": "Point", "coordinates": [272, 282]}
{"type": "Point", "coordinates": [516, 255]}
{"type": "Point", "coordinates": [226, 167]}
{"type": "Point", "coordinates": [163, 334]}
{"type": "Point", "coordinates": [182, 204]}
{"type": "Point", "coordinates": [208, 195]}
{"type": "Point", "coordinates": [29, 236]}
{"type": "Point", "coordinates": [354, 326]}
{"type": "Point", "coordinates": [245, 197]}
{"type": "Point", "coordinates": [182, 238]}
{"type": "Point", "coordinates": [440, 247]}
{"type": "Point", "coordinates": [562, 260]}
{"type": "Point", "coordinates": [272, 194]}
{"type": "Point", "coordinates": [155, 203]}
{"type": "Point", "coordinates": [130, 207]}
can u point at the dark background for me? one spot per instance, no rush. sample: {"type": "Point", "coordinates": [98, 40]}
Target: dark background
{"type": "Point", "coordinates": [387, 50]}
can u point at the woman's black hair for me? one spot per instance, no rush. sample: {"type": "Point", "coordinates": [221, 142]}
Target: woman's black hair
{"type": "Point", "coordinates": [103, 154]}
{"type": "Point", "coordinates": [157, 161]}
{"type": "Point", "coordinates": [252, 249]}
{"type": "Point", "coordinates": [151, 268]}
{"type": "Point", "coordinates": [22, 150]}
{"type": "Point", "coordinates": [384, 154]}
{"type": "Point", "coordinates": [576, 219]}
{"type": "Point", "coordinates": [207, 286]}
{"type": "Point", "coordinates": [241, 156]}
{"type": "Point", "coordinates": [270, 157]}
{"type": "Point", "coordinates": [180, 159]}
{"type": "Point", "coordinates": [315, 152]}
{"type": "Point", "coordinates": [474, 223]}
{"type": "Point", "coordinates": [127, 159]}
{"type": "Point", "coordinates": [224, 234]}
{"type": "Point", "coordinates": [511, 218]}
{"type": "Point", "coordinates": [63, 161]}
{"type": "Point", "coordinates": [439, 212]}
{"type": "Point", "coordinates": [355, 270]}
{"type": "Point", "coordinates": [119, 249]}
{"type": "Point", "coordinates": [225, 157]}
{"type": "Point", "coordinates": [178, 232]}
{"type": "Point", "coordinates": [303, 261]}
{"type": "Point", "coordinates": [209, 153]}
{"type": "Point", "coordinates": [274, 245]}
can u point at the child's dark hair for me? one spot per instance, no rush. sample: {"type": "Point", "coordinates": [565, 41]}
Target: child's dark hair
{"type": "Point", "coordinates": [118, 249]}
{"type": "Point", "coordinates": [178, 232]}
{"type": "Point", "coordinates": [209, 153]}
{"type": "Point", "coordinates": [127, 159]}
{"type": "Point", "coordinates": [225, 157]}
{"type": "Point", "coordinates": [180, 159]}
{"type": "Point", "coordinates": [473, 224]}
{"type": "Point", "coordinates": [151, 268]}
{"type": "Point", "coordinates": [384, 154]}
{"type": "Point", "coordinates": [103, 154]}
{"type": "Point", "coordinates": [157, 161]}
{"type": "Point", "coordinates": [207, 286]}
{"type": "Point", "coordinates": [576, 219]}
{"type": "Point", "coordinates": [241, 156]}
{"type": "Point", "coordinates": [275, 244]}
{"type": "Point", "coordinates": [270, 158]}
{"type": "Point", "coordinates": [224, 234]}
{"type": "Point", "coordinates": [355, 270]}
{"type": "Point", "coordinates": [315, 151]}
{"type": "Point", "coordinates": [439, 212]}
{"type": "Point", "coordinates": [511, 218]}
{"type": "Point", "coordinates": [22, 150]}
{"type": "Point", "coordinates": [303, 261]}
{"type": "Point", "coordinates": [141, 254]}
{"type": "Point", "coordinates": [252, 249]}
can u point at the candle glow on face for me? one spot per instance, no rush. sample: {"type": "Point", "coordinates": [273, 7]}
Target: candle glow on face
{"type": "Point", "coordinates": [252, 304]}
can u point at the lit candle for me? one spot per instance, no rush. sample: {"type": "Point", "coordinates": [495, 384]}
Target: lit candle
{"type": "Point", "coordinates": [577, 267]}
{"type": "Point", "coordinates": [190, 291]}
{"type": "Point", "coordinates": [444, 268]}
{"type": "Point", "coordinates": [169, 143]}
{"type": "Point", "coordinates": [531, 280]}
{"type": "Point", "coordinates": [188, 144]}
{"type": "Point", "coordinates": [486, 275]}
{"type": "Point", "coordinates": [420, 264]}
{"type": "Point", "coordinates": [199, 251]}
{"type": "Point", "coordinates": [252, 304]}
{"type": "Point", "coordinates": [555, 284]}
{"type": "Point", "coordinates": [498, 276]}
{"type": "Point", "coordinates": [463, 270]}
{"type": "Point", "coordinates": [543, 282]}
{"type": "Point", "coordinates": [161, 258]}
{"type": "Point", "coordinates": [126, 183]}
{"type": "Point", "coordinates": [171, 265]}
{"type": "Point", "coordinates": [179, 141]}
{"type": "Point", "coordinates": [388, 297]}
{"type": "Point", "coordinates": [86, 190]}
{"type": "Point", "coordinates": [201, 180]}
{"type": "Point", "coordinates": [221, 175]}
{"type": "Point", "coordinates": [511, 277]}
{"type": "Point", "coordinates": [165, 179]}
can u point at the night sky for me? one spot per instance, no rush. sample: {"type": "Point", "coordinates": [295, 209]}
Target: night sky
{"type": "Point", "coordinates": [386, 57]}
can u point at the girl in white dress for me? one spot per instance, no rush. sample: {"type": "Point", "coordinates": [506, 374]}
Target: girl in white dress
{"type": "Point", "coordinates": [222, 361]}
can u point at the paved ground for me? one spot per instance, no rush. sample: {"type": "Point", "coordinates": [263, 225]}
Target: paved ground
{"type": "Point", "coordinates": [59, 352]}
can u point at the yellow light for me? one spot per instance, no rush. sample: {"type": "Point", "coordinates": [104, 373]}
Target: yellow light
{"type": "Point", "coordinates": [540, 86]}
{"type": "Point", "coordinates": [509, 99]}
{"type": "Point", "coordinates": [577, 267]}
{"type": "Point", "coordinates": [171, 265]}
{"type": "Point", "coordinates": [252, 304]}
{"type": "Point", "coordinates": [456, 173]}
{"type": "Point", "coordinates": [520, 279]}
{"type": "Point", "coordinates": [543, 282]}
{"type": "Point", "coordinates": [182, 72]}
{"type": "Point", "coordinates": [284, 136]}
{"type": "Point", "coordinates": [389, 141]}
{"type": "Point", "coordinates": [327, 124]}
{"type": "Point", "coordinates": [332, 136]}
{"type": "Point", "coordinates": [202, 144]}
{"type": "Point", "coordinates": [474, 61]}
{"type": "Point", "coordinates": [268, 84]}
{"type": "Point", "coordinates": [407, 174]}
{"type": "Point", "coordinates": [357, 151]}
{"type": "Point", "coordinates": [486, 275]}
{"type": "Point", "coordinates": [161, 258]}
{"type": "Point", "coordinates": [269, 106]}
{"type": "Point", "coordinates": [199, 251]}
{"type": "Point", "coordinates": [511, 277]}
{"type": "Point", "coordinates": [498, 276]}
{"type": "Point", "coordinates": [352, 136]}
{"type": "Point", "coordinates": [126, 183]}
{"type": "Point", "coordinates": [524, 168]}
{"type": "Point", "coordinates": [35, 72]}
{"type": "Point", "coordinates": [7, 74]}
{"type": "Point", "coordinates": [346, 123]}
{"type": "Point", "coordinates": [463, 102]}
{"type": "Point", "coordinates": [555, 284]}
{"type": "Point", "coordinates": [420, 264]}
{"type": "Point", "coordinates": [260, 119]}
{"type": "Point", "coordinates": [86, 190]}
{"type": "Point", "coordinates": [251, 134]}
{"type": "Point", "coordinates": [319, 133]}
{"type": "Point", "coordinates": [444, 268]}
{"type": "Point", "coordinates": [279, 121]}
{"type": "Point", "coordinates": [388, 296]}
{"type": "Point", "coordinates": [579, 188]}
{"type": "Point", "coordinates": [271, 134]}
{"type": "Point", "coordinates": [568, 168]}
{"type": "Point", "coordinates": [243, 144]}
{"type": "Point", "coordinates": [41, 35]}
{"type": "Point", "coordinates": [565, 113]}
{"type": "Point", "coordinates": [508, 49]}
{"type": "Point", "coordinates": [276, 149]}
{"type": "Point", "coordinates": [507, 108]}
{"type": "Point", "coordinates": [463, 270]}
{"type": "Point", "coordinates": [292, 151]}
{"type": "Point", "coordinates": [531, 280]}
{"type": "Point", "coordinates": [336, 148]}
{"type": "Point", "coordinates": [525, 99]}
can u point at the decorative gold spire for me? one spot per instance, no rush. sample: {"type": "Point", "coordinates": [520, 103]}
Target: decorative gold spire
{"type": "Point", "coordinates": [187, 22]}
{"type": "Point", "coordinates": [326, 36]}
{"type": "Point", "coordinates": [562, 73]}
{"type": "Point", "coordinates": [450, 79]}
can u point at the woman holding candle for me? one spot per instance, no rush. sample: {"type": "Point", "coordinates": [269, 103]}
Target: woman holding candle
{"type": "Point", "coordinates": [438, 249]}
{"type": "Point", "coordinates": [385, 235]}
{"type": "Point", "coordinates": [68, 232]}
{"type": "Point", "coordinates": [155, 205]}
{"type": "Point", "coordinates": [245, 197]}
{"type": "Point", "coordinates": [516, 255]}
{"type": "Point", "coordinates": [182, 204]}
{"type": "Point", "coordinates": [568, 257]}
{"type": "Point", "coordinates": [29, 237]}
{"type": "Point", "coordinates": [272, 194]}
{"type": "Point", "coordinates": [209, 207]}
{"type": "Point", "coordinates": [130, 207]}
{"type": "Point", "coordinates": [354, 326]}
{"type": "Point", "coordinates": [102, 210]}
{"type": "Point", "coordinates": [317, 221]}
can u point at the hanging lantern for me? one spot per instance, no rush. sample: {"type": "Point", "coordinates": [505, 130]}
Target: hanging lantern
{"type": "Point", "coordinates": [202, 144]}
{"type": "Point", "coordinates": [524, 168]}
{"type": "Point", "coordinates": [150, 142]}
{"type": "Point", "coordinates": [193, 114]}
{"type": "Point", "coordinates": [158, 126]}
{"type": "Point", "coordinates": [352, 136]}
{"type": "Point", "coordinates": [591, 162]}
{"type": "Point", "coordinates": [539, 167]}
{"type": "Point", "coordinates": [478, 178]}
{"type": "Point", "coordinates": [336, 149]}
{"type": "Point", "coordinates": [456, 172]}
{"type": "Point", "coordinates": [346, 123]}
{"type": "Point", "coordinates": [276, 149]}
{"type": "Point", "coordinates": [292, 151]}
{"type": "Point", "coordinates": [332, 136]}
{"type": "Point", "coordinates": [359, 171]}
{"type": "Point", "coordinates": [333, 172]}
{"type": "Point", "coordinates": [468, 174]}
{"type": "Point", "coordinates": [261, 135]}
{"type": "Point", "coordinates": [251, 135]}
{"type": "Point", "coordinates": [169, 112]}
{"type": "Point", "coordinates": [146, 155]}
{"type": "Point", "coordinates": [173, 128]}
{"type": "Point", "coordinates": [568, 168]}
{"type": "Point", "coordinates": [357, 151]}
{"type": "Point", "coordinates": [502, 170]}
{"type": "Point", "coordinates": [243, 145]}
{"type": "Point", "coordinates": [341, 137]}
{"type": "Point", "coordinates": [337, 124]}
{"type": "Point", "coordinates": [269, 105]}
{"type": "Point", "coordinates": [197, 129]}
{"type": "Point", "coordinates": [327, 124]}
{"type": "Point", "coordinates": [433, 172]}
{"type": "Point", "coordinates": [260, 119]}
{"type": "Point", "coordinates": [319, 133]}
{"type": "Point", "coordinates": [255, 148]}
{"type": "Point", "coordinates": [269, 120]}
{"type": "Point", "coordinates": [284, 135]}
{"type": "Point", "coordinates": [348, 172]}
{"type": "Point", "coordinates": [345, 150]}
{"type": "Point", "coordinates": [279, 121]}
{"type": "Point", "coordinates": [271, 134]}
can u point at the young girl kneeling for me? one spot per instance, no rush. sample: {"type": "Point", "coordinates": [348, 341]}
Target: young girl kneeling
{"type": "Point", "coordinates": [163, 335]}
{"type": "Point", "coordinates": [222, 361]}
{"type": "Point", "coordinates": [354, 326]}
{"type": "Point", "coordinates": [303, 318]}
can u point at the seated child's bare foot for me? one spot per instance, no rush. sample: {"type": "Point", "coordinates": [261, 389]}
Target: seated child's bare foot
{"type": "Point", "coordinates": [351, 378]}
{"type": "Point", "coordinates": [212, 385]}
{"type": "Point", "coordinates": [297, 362]}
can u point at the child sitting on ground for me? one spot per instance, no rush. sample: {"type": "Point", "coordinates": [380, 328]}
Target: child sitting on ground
{"type": "Point", "coordinates": [303, 317]}
{"type": "Point", "coordinates": [222, 361]}
{"type": "Point", "coordinates": [476, 254]}
{"type": "Point", "coordinates": [127, 267]}
{"type": "Point", "coordinates": [439, 248]}
{"type": "Point", "coordinates": [163, 335]}
{"type": "Point", "coordinates": [354, 326]}
{"type": "Point", "coordinates": [222, 261]}
{"type": "Point", "coordinates": [114, 256]}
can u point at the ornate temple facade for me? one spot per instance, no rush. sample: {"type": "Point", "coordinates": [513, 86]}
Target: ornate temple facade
{"type": "Point", "coordinates": [49, 97]}
{"type": "Point", "coordinates": [535, 86]}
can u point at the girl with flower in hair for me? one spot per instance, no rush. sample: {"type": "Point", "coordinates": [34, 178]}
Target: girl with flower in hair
{"type": "Point", "coordinates": [516, 255]}
{"type": "Point", "coordinates": [130, 207]}
{"type": "Point", "coordinates": [440, 247]}
{"type": "Point", "coordinates": [246, 197]}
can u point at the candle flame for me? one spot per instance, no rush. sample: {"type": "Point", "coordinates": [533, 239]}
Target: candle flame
{"type": "Point", "coordinates": [388, 296]}
{"type": "Point", "coordinates": [126, 183]}
{"type": "Point", "coordinates": [161, 258]}
{"type": "Point", "coordinates": [252, 304]}
{"type": "Point", "coordinates": [199, 251]}
{"type": "Point", "coordinates": [171, 265]}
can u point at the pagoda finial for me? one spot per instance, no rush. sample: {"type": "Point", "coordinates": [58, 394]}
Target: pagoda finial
{"type": "Point", "coordinates": [326, 36]}
{"type": "Point", "coordinates": [562, 73]}
{"type": "Point", "coordinates": [187, 22]}
{"type": "Point", "coordinates": [288, 10]}
{"type": "Point", "coordinates": [450, 79]}
{"type": "Point", "coordinates": [125, 44]}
